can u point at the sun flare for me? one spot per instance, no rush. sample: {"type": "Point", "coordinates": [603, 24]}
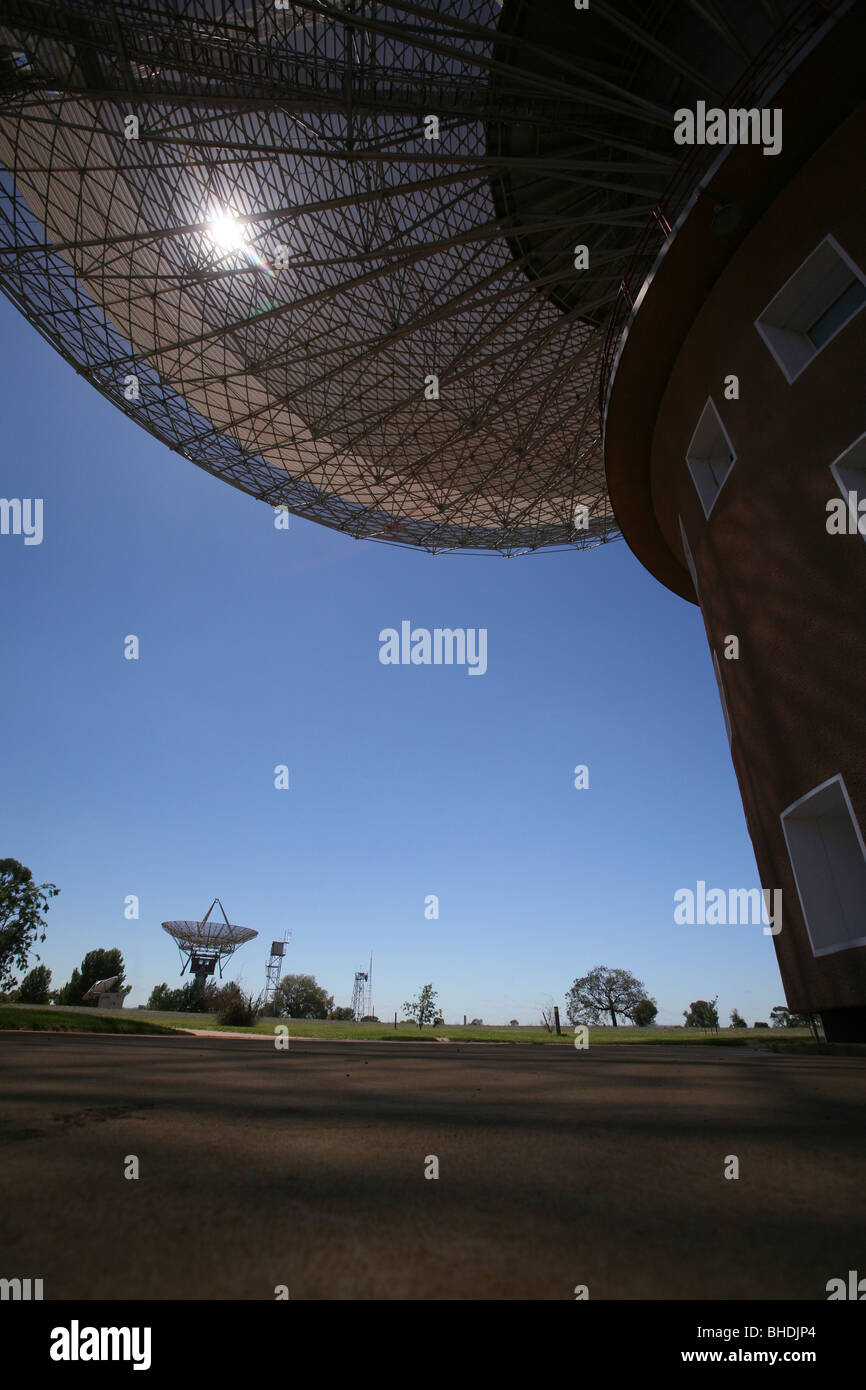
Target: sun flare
{"type": "Point", "coordinates": [227, 233]}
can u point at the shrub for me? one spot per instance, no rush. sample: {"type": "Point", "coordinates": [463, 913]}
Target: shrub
{"type": "Point", "coordinates": [239, 1010]}
{"type": "Point", "coordinates": [644, 1015]}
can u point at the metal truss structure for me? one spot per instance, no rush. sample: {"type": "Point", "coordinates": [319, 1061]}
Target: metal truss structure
{"type": "Point", "coordinates": [362, 994]}
{"type": "Point", "coordinates": [205, 945]}
{"type": "Point", "coordinates": [274, 968]}
{"type": "Point", "coordinates": [328, 249]}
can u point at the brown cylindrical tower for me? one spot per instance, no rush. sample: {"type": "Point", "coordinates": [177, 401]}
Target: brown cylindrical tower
{"type": "Point", "coordinates": [735, 447]}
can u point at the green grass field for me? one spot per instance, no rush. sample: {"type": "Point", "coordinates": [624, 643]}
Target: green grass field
{"type": "Point", "coordinates": [405, 1032]}
{"type": "Point", "coordinates": [82, 1019]}
{"type": "Point", "coordinates": [49, 1020]}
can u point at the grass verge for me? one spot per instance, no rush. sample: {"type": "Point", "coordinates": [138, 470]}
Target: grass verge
{"type": "Point", "coordinates": [456, 1033]}
{"type": "Point", "coordinates": [91, 1020]}
{"type": "Point", "coordinates": [50, 1020]}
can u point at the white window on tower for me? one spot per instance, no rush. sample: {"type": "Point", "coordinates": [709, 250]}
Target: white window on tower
{"type": "Point", "coordinates": [710, 456]}
{"type": "Point", "coordinates": [825, 846]}
{"type": "Point", "coordinates": [849, 470]}
{"type": "Point", "coordinates": [812, 306]}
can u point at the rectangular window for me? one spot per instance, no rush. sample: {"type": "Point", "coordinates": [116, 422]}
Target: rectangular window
{"type": "Point", "coordinates": [840, 311]}
{"type": "Point", "coordinates": [709, 456]}
{"type": "Point", "coordinates": [827, 854]}
{"type": "Point", "coordinates": [813, 305]}
{"type": "Point", "coordinates": [849, 470]}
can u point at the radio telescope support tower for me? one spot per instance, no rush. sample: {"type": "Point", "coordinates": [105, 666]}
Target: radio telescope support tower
{"type": "Point", "coordinates": [274, 967]}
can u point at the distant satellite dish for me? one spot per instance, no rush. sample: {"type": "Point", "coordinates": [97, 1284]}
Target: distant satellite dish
{"type": "Point", "coordinates": [101, 987]}
{"type": "Point", "coordinates": [205, 945]}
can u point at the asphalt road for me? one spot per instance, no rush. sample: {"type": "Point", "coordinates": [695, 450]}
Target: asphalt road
{"type": "Point", "coordinates": [305, 1168]}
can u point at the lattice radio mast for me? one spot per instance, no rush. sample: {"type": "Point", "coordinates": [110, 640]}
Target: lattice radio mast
{"type": "Point", "coordinates": [274, 967]}
{"type": "Point", "coordinates": [362, 994]}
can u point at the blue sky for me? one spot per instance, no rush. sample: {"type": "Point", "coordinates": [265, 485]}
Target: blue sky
{"type": "Point", "coordinates": [260, 647]}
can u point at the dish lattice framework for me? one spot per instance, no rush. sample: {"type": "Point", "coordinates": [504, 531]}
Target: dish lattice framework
{"type": "Point", "coordinates": [294, 364]}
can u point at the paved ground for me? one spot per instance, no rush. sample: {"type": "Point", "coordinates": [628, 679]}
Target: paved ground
{"type": "Point", "coordinates": [306, 1168]}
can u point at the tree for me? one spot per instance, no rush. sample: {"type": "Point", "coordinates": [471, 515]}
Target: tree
{"type": "Point", "coordinates": [423, 1009]}
{"type": "Point", "coordinates": [298, 996]}
{"type": "Point", "coordinates": [513, 1023]}
{"type": "Point", "coordinates": [71, 992]}
{"type": "Point", "coordinates": [737, 1020]}
{"type": "Point", "coordinates": [97, 965]}
{"type": "Point", "coordinates": [781, 1017]}
{"type": "Point", "coordinates": [802, 1021]}
{"type": "Point", "coordinates": [192, 998]}
{"type": "Point", "coordinates": [160, 995]}
{"type": "Point", "coordinates": [23, 904]}
{"type": "Point", "coordinates": [341, 1015]}
{"type": "Point", "coordinates": [604, 992]}
{"type": "Point", "coordinates": [476, 1023]}
{"type": "Point", "coordinates": [703, 1014]}
{"type": "Point", "coordinates": [644, 1014]}
{"type": "Point", "coordinates": [35, 986]}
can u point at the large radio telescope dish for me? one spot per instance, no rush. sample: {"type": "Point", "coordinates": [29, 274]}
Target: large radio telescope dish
{"type": "Point", "coordinates": [244, 226]}
{"type": "Point", "coordinates": [205, 945]}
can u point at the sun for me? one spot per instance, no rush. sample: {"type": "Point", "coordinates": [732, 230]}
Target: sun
{"type": "Point", "coordinates": [227, 233]}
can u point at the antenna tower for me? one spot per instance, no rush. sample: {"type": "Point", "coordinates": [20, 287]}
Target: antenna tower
{"type": "Point", "coordinates": [359, 995]}
{"type": "Point", "coordinates": [274, 967]}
